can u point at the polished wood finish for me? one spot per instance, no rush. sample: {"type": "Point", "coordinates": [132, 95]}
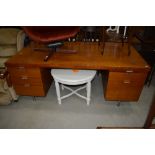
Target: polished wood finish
{"type": "Point", "coordinates": [89, 55]}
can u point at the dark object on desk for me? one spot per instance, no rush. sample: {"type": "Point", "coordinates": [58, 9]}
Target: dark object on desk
{"type": "Point", "coordinates": [52, 35]}
{"type": "Point", "coordinates": [91, 33]}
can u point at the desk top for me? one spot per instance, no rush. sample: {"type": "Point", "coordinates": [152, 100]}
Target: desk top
{"type": "Point", "coordinates": [88, 56]}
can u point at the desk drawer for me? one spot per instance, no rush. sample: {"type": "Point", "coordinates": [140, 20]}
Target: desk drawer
{"type": "Point", "coordinates": [124, 86]}
{"type": "Point", "coordinates": [24, 71]}
{"type": "Point", "coordinates": [127, 78]}
{"type": "Point", "coordinates": [25, 79]}
{"type": "Point", "coordinates": [29, 90]}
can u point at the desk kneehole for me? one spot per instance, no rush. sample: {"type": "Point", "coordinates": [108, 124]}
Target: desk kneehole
{"type": "Point", "coordinates": [124, 86]}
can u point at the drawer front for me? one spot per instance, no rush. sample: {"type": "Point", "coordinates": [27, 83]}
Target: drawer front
{"type": "Point", "coordinates": [127, 78]}
{"type": "Point", "coordinates": [124, 86]}
{"type": "Point", "coordinates": [21, 80]}
{"type": "Point", "coordinates": [24, 71]}
{"type": "Point", "coordinates": [29, 90]}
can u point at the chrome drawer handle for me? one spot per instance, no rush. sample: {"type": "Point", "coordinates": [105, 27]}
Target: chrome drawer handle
{"type": "Point", "coordinates": [24, 77]}
{"type": "Point", "coordinates": [129, 71]}
{"type": "Point", "coordinates": [20, 67]}
{"type": "Point", "coordinates": [126, 81]}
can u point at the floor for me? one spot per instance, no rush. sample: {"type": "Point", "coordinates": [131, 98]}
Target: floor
{"type": "Point", "coordinates": [45, 113]}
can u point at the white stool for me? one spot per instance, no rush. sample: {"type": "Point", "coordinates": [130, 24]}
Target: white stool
{"type": "Point", "coordinates": [73, 77]}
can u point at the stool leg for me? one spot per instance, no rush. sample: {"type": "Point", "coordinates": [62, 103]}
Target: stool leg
{"type": "Point", "coordinates": [58, 91]}
{"type": "Point", "coordinates": [62, 86]}
{"type": "Point", "coordinates": [88, 92]}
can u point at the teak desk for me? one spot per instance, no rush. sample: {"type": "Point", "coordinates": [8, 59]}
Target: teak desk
{"type": "Point", "coordinates": [30, 75]}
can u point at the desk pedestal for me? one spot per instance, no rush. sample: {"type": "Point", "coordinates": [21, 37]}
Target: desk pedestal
{"type": "Point", "coordinates": [124, 86]}
{"type": "Point", "coordinates": [30, 81]}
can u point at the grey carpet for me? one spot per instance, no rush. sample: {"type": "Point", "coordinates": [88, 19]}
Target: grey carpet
{"type": "Point", "coordinates": [44, 112]}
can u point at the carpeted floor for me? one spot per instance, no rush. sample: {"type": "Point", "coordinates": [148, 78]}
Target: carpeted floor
{"type": "Point", "coordinates": [44, 112]}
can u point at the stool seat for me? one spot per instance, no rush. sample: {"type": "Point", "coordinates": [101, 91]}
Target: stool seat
{"type": "Point", "coordinates": [73, 77]}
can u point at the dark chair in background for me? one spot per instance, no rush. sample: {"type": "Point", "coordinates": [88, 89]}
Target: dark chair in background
{"type": "Point", "coordinates": [147, 48]}
{"type": "Point", "coordinates": [52, 36]}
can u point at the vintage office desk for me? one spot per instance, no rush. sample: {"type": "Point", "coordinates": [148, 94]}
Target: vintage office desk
{"type": "Point", "coordinates": [126, 74]}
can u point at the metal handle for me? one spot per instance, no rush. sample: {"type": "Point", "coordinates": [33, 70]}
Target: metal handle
{"type": "Point", "coordinates": [129, 71]}
{"type": "Point", "coordinates": [20, 67]}
{"type": "Point", "coordinates": [127, 81]}
{"type": "Point", "coordinates": [24, 77]}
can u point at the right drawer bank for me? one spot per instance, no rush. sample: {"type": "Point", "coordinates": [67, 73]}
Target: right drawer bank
{"type": "Point", "coordinates": [124, 86]}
